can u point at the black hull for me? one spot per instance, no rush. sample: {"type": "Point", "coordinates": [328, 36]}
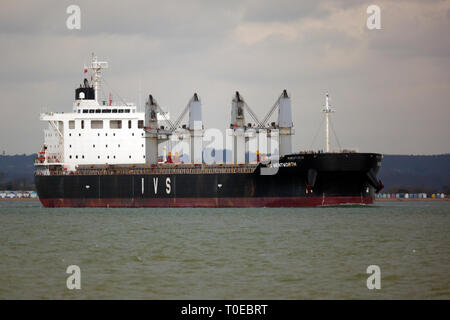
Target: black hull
{"type": "Point", "coordinates": [301, 180]}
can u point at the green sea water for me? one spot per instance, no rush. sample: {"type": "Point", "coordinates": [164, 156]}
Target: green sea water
{"type": "Point", "coordinates": [289, 253]}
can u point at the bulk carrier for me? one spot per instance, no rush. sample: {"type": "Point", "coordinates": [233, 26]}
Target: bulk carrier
{"type": "Point", "coordinates": [108, 154]}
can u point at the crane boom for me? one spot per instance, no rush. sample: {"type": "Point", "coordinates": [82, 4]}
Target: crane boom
{"type": "Point", "coordinates": [271, 111]}
{"type": "Point", "coordinates": [252, 114]}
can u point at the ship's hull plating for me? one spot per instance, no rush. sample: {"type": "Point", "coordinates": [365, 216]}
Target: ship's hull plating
{"type": "Point", "coordinates": [301, 181]}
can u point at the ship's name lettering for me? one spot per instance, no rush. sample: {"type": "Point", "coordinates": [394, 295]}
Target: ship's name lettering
{"type": "Point", "coordinates": [285, 164]}
{"type": "Point", "coordinates": [168, 185]}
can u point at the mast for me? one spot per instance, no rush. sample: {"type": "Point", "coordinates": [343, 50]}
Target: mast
{"type": "Point", "coordinates": [96, 66]}
{"type": "Point", "coordinates": [327, 110]}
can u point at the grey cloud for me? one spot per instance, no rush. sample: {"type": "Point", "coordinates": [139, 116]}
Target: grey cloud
{"type": "Point", "coordinates": [390, 87]}
{"type": "Point", "coordinates": [281, 11]}
{"type": "Point", "coordinates": [162, 18]}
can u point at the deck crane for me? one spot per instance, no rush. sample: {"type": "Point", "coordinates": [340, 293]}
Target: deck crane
{"type": "Point", "coordinates": [284, 124]}
{"type": "Point", "coordinates": [155, 135]}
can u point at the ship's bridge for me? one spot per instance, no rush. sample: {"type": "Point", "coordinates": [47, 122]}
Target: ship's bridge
{"type": "Point", "coordinates": [93, 107]}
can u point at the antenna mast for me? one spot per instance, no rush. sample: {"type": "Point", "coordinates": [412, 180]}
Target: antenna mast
{"type": "Point", "coordinates": [96, 67]}
{"type": "Point", "coordinates": [327, 110]}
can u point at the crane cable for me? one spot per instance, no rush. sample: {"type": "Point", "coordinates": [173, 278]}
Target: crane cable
{"type": "Point", "coordinates": [269, 114]}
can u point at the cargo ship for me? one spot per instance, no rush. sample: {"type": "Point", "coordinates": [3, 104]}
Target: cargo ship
{"type": "Point", "coordinates": [107, 153]}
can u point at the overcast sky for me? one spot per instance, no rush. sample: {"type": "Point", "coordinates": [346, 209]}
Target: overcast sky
{"type": "Point", "coordinates": [390, 87]}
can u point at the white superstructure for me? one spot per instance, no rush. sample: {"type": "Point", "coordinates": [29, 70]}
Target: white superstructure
{"type": "Point", "coordinates": [95, 132]}
{"type": "Point", "coordinates": [100, 131]}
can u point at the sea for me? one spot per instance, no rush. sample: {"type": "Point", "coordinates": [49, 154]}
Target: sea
{"type": "Point", "coordinates": [198, 253]}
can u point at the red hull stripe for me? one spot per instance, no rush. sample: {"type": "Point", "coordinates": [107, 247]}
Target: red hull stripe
{"type": "Point", "coordinates": [250, 202]}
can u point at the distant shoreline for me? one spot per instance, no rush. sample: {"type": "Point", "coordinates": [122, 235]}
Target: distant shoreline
{"type": "Point", "coordinates": [409, 199]}
{"type": "Point", "coordinates": [376, 200]}
{"type": "Point", "coordinates": [19, 199]}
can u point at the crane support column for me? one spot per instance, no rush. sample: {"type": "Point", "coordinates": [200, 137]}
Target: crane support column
{"type": "Point", "coordinates": [196, 130]}
{"type": "Point", "coordinates": [285, 124]}
{"type": "Point", "coordinates": [151, 133]}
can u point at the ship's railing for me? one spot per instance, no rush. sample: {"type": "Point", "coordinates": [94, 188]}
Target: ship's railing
{"type": "Point", "coordinates": [321, 151]}
{"type": "Point", "coordinates": [48, 158]}
{"type": "Point", "coordinates": [248, 168]}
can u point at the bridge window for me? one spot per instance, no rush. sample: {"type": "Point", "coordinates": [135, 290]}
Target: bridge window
{"type": "Point", "coordinates": [98, 110]}
{"type": "Point", "coordinates": [115, 124]}
{"type": "Point", "coordinates": [106, 110]}
{"type": "Point", "coordinates": [72, 124]}
{"type": "Point", "coordinates": [91, 111]}
{"type": "Point", "coordinates": [140, 124]}
{"type": "Point", "coordinates": [85, 110]}
{"type": "Point", "coordinates": [96, 124]}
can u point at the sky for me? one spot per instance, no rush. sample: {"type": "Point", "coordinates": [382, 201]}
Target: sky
{"type": "Point", "coordinates": [390, 87]}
